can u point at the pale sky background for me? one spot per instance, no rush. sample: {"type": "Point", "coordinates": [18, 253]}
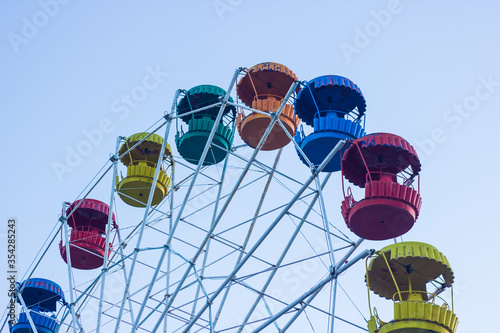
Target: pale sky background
{"type": "Point", "coordinates": [429, 72]}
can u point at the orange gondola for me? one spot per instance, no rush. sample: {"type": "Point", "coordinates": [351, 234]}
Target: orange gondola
{"type": "Point", "coordinates": [263, 88]}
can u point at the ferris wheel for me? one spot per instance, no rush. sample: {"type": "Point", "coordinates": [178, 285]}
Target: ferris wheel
{"type": "Point", "coordinates": [234, 230]}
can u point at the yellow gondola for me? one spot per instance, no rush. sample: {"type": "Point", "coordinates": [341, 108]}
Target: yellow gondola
{"type": "Point", "coordinates": [402, 272]}
{"type": "Point", "coordinates": [141, 162]}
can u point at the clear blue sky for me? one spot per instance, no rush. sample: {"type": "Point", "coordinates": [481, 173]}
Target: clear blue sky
{"type": "Point", "coordinates": [75, 75]}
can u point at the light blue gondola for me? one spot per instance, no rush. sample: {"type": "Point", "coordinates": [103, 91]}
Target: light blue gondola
{"type": "Point", "coordinates": [191, 143]}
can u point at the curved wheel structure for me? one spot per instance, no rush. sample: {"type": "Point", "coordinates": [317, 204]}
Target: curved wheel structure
{"type": "Point", "coordinates": [251, 243]}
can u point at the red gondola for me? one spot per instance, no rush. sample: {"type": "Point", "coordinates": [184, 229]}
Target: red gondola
{"type": "Point", "coordinates": [87, 238]}
{"type": "Point", "coordinates": [386, 166]}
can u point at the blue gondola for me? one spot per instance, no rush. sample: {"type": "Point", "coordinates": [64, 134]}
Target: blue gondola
{"type": "Point", "coordinates": [41, 297]}
{"type": "Point", "coordinates": [335, 107]}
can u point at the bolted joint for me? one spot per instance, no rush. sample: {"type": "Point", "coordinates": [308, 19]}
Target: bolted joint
{"type": "Point", "coordinates": [223, 100]}
{"type": "Point", "coordinates": [113, 158]}
{"type": "Point", "coordinates": [168, 117]}
{"type": "Point", "coordinates": [274, 115]}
